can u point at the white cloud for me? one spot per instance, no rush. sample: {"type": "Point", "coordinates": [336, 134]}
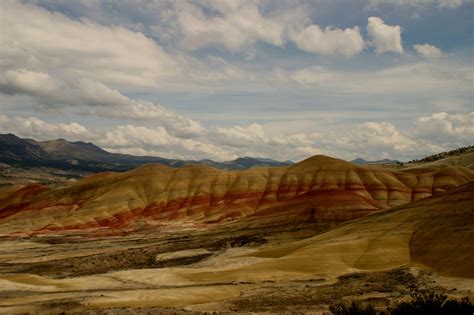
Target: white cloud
{"type": "Point", "coordinates": [428, 51]}
{"type": "Point", "coordinates": [237, 25]}
{"type": "Point", "coordinates": [33, 127]}
{"type": "Point", "coordinates": [75, 65]}
{"type": "Point", "coordinates": [28, 82]}
{"type": "Point", "coordinates": [449, 130]}
{"type": "Point", "coordinates": [124, 138]}
{"type": "Point", "coordinates": [241, 136]}
{"type": "Point", "coordinates": [145, 111]}
{"type": "Point", "coordinates": [450, 3]}
{"type": "Point", "coordinates": [130, 135]}
{"type": "Point", "coordinates": [103, 100]}
{"type": "Point", "coordinates": [385, 38]}
{"type": "Point", "coordinates": [158, 142]}
{"type": "Point", "coordinates": [316, 75]}
{"type": "Point", "coordinates": [428, 77]}
{"type": "Point", "coordinates": [94, 93]}
{"type": "Point", "coordinates": [60, 62]}
{"type": "Point", "coordinates": [329, 41]}
{"type": "Point", "coordinates": [370, 140]}
{"type": "Point", "coordinates": [381, 139]}
{"type": "Point", "coordinates": [251, 141]}
{"type": "Point", "coordinates": [41, 41]}
{"type": "Point", "coordinates": [373, 4]}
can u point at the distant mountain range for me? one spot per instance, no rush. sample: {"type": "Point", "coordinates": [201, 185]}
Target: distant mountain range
{"type": "Point", "coordinates": [86, 156]}
{"type": "Point", "coordinates": [361, 161]}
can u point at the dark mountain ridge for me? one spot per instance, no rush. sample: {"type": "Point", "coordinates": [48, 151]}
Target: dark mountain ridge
{"type": "Point", "coordinates": [86, 156]}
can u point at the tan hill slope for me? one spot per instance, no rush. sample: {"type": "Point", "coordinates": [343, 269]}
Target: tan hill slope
{"type": "Point", "coordinates": [388, 248]}
{"type": "Point", "coordinates": [319, 188]}
{"type": "Point", "coordinates": [434, 234]}
{"type": "Point", "coordinates": [464, 160]}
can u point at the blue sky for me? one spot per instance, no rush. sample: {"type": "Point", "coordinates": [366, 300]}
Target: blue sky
{"type": "Point", "coordinates": [221, 79]}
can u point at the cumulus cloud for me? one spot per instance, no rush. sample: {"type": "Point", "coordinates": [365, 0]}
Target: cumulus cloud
{"type": "Point", "coordinates": [131, 139]}
{"type": "Point", "coordinates": [74, 65]}
{"type": "Point", "coordinates": [382, 135]}
{"type": "Point", "coordinates": [33, 127]}
{"type": "Point", "coordinates": [94, 93]}
{"type": "Point", "coordinates": [235, 25]}
{"type": "Point", "coordinates": [145, 111]}
{"type": "Point", "coordinates": [428, 51]}
{"type": "Point", "coordinates": [130, 136]}
{"type": "Point", "coordinates": [28, 82]}
{"type": "Point", "coordinates": [157, 141]}
{"type": "Point", "coordinates": [370, 140]}
{"type": "Point", "coordinates": [242, 136]}
{"type": "Point", "coordinates": [251, 140]}
{"type": "Point", "coordinates": [40, 41]}
{"type": "Point", "coordinates": [329, 41]}
{"type": "Point", "coordinates": [385, 38]}
{"type": "Point", "coordinates": [447, 129]}
{"type": "Point", "coordinates": [238, 25]}
{"type": "Point", "coordinates": [49, 91]}
{"type": "Point", "coordinates": [35, 40]}
{"type": "Point", "coordinates": [60, 62]}
{"type": "Point", "coordinates": [430, 134]}
{"type": "Point", "coordinates": [103, 100]}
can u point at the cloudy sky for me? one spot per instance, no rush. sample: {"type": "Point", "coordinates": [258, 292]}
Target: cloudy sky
{"type": "Point", "coordinates": [220, 79]}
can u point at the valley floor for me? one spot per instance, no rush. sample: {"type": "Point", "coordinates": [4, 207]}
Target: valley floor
{"type": "Point", "coordinates": [207, 271]}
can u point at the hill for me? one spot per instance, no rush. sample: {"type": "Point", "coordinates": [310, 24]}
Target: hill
{"type": "Point", "coordinates": [465, 159]}
{"type": "Point", "coordinates": [14, 149]}
{"type": "Point", "coordinates": [433, 233]}
{"type": "Point", "coordinates": [443, 155]}
{"type": "Point", "coordinates": [320, 188]}
{"type": "Point", "coordinates": [88, 157]}
{"type": "Point", "coordinates": [378, 258]}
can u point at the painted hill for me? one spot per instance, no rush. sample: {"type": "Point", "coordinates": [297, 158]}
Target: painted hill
{"type": "Point", "coordinates": [379, 258]}
{"type": "Point", "coordinates": [320, 188]}
{"type": "Point", "coordinates": [434, 233]}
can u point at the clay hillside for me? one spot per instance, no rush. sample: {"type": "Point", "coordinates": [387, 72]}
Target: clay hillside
{"type": "Point", "coordinates": [377, 259]}
{"type": "Point", "coordinates": [319, 189]}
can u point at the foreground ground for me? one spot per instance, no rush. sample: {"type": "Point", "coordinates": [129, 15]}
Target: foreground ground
{"type": "Point", "coordinates": [379, 259]}
{"type": "Point", "coordinates": [278, 240]}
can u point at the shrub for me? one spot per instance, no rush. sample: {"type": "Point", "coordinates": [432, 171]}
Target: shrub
{"type": "Point", "coordinates": [430, 303]}
{"type": "Point", "coordinates": [354, 308]}
{"type": "Point", "coordinates": [464, 306]}
{"type": "Point", "coordinates": [421, 303]}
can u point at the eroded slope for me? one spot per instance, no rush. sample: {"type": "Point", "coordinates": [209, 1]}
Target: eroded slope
{"type": "Point", "coordinates": [390, 249]}
{"type": "Point", "coordinates": [319, 188]}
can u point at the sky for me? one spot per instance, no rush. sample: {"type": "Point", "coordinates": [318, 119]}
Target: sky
{"type": "Point", "coordinates": [221, 79]}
